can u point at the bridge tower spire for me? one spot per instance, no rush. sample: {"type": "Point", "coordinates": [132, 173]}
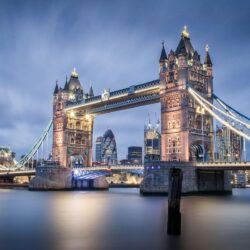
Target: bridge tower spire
{"type": "Point", "coordinates": [186, 134]}
{"type": "Point", "coordinates": [56, 89]}
{"type": "Point", "coordinates": [163, 58]}
{"type": "Point", "coordinates": [208, 67]}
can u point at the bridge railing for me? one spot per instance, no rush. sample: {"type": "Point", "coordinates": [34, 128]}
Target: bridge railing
{"type": "Point", "coordinates": [216, 163]}
{"type": "Point", "coordinates": [112, 167]}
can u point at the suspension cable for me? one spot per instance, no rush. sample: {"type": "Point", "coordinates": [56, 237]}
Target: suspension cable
{"type": "Point", "coordinates": [225, 107]}
{"type": "Point", "coordinates": [217, 117]}
{"type": "Point", "coordinates": [228, 106]}
{"type": "Point", "coordinates": [35, 148]}
{"type": "Point", "coordinates": [221, 111]}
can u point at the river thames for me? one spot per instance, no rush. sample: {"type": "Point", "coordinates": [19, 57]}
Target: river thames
{"type": "Point", "coordinates": [120, 219]}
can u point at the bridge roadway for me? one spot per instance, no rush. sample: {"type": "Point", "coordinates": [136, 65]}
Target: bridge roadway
{"type": "Point", "coordinates": [199, 165]}
{"type": "Point", "coordinates": [115, 167]}
{"type": "Point", "coordinates": [223, 165]}
{"type": "Point", "coordinates": [11, 173]}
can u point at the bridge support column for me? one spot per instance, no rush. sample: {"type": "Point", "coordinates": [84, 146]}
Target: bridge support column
{"type": "Point", "coordinates": [214, 181]}
{"type": "Point", "coordinates": [174, 200]}
{"type": "Point", "coordinates": [156, 179]}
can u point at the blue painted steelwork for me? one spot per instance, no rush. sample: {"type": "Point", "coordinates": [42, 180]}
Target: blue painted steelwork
{"type": "Point", "coordinates": [231, 108]}
{"type": "Point", "coordinates": [143, 86]}
{"type": "Point", "coordinates": [90, 175]}
{"type": "Point", "coordinates": [129, 102]}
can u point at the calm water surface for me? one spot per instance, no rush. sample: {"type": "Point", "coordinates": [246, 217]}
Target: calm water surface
{"type": "Point", "coordinates": [120, 219]}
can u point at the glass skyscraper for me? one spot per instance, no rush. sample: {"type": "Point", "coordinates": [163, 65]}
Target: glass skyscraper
{"type": "Point", "coordinates": [98, 149]}
{"type": "Point", "coordinates": [109, 150]}
{"type": "Point", "coordinates": [152, 142]}
{"type": "Point", "coordinates": [106, 151]}
{"type": "Point", "coordinates": [135, 155]}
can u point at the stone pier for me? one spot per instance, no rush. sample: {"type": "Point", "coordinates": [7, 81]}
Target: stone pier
{"type": "Point", "coordinates": [51, 178]}
{"type": "Point", "coordinates": [194, 181]}
{"type": "Point", "coordinates": [61, 178]}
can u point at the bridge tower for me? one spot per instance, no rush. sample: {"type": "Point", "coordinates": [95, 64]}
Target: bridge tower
{"type": "Point", "coordinates": [186, 128]}
{"type": "Point", "coordinates": [72, 131]}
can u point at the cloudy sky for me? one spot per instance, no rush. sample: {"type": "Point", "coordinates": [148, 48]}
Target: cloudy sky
{"type": "Point", "coordinates": [113, 44]}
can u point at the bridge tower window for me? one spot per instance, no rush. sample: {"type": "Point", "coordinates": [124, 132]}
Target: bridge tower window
{"type": "Point", "coordinates": [78, 125]}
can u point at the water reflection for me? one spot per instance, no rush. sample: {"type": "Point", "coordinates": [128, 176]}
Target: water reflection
{"type": "Point", "coordinates": [120, 219]}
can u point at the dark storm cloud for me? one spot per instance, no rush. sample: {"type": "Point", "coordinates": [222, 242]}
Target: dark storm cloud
{"type": "Point", "coordinates": [114, 44]}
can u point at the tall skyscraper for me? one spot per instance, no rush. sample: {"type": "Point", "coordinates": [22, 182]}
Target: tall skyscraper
{"type": "Point", "coordinates": [98, 149]}
{"type": "Point", "coordinates": [152, 142]}
{"type": "Point", "coordinates": [135, 155]}
{"type": "Point", "coordinates": [109, 150]}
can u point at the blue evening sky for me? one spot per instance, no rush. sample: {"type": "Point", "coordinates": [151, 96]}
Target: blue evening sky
{"type": "Point", "coordinates": [113, 44]}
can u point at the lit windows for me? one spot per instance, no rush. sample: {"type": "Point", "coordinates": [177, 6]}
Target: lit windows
{"type": "Point", "coordinates": [173, 145]}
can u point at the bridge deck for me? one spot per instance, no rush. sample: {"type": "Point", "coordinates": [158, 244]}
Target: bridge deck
{"type": "Point", "coordinates": [234, 166]}
{"type": "Point", "coordinates": [223, 165]}
{"type": "Point", "coordinates": [18, 173]}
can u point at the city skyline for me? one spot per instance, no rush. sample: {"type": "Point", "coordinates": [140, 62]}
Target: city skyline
{"type": "Point", "coordinates": [41, 45]}
{"type": "Point", "coordinates": [124, 124]}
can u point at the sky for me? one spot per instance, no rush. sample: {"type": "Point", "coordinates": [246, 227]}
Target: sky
{"type": "Point", "coordinates": [113, 44]}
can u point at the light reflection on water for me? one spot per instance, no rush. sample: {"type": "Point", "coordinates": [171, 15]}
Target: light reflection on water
{"type": "Point", "coordinates": [120, 219]}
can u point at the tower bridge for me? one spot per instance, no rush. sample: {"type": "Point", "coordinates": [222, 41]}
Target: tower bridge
{"type": "Point", "coordinates": [74, 110]}
{"type": "Point", "coordinates": [189, 111]}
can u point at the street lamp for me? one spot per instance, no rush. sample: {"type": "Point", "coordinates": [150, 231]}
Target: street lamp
{"type": "Point", "coordinates": [200, 110]}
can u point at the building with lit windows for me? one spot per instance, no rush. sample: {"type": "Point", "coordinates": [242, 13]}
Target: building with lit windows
{"type": "Point", "coordinates": [135, 155]}
{"type": "Point", "coordinates": [7, 157]}
{"type": "Point", "coordinates": [239, 178]}
{"type": "Point", "coordinates": [98, 149]}
{"type": "Point", "coordinates": [152, 142]}
{"type": "Point", "coordinates": [230, 148]}
{"type": "Point", "coordinates": [229, 145]}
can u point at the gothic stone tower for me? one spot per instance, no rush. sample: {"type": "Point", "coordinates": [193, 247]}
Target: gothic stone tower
{"type": "Point", "coordinates": [72, 132]}
{"type": "Point", "coordinates": [184, 137]}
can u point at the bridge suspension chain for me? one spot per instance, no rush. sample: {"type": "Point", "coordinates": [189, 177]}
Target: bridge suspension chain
{"type": "Point", "coordinates": [34, 149]}
{"type": "Point", "coordinates": [229, 109]}
{"type": "Point", "coordinates": [226, 112]}
{"type": "Point", "coordinates": [210, 108]}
